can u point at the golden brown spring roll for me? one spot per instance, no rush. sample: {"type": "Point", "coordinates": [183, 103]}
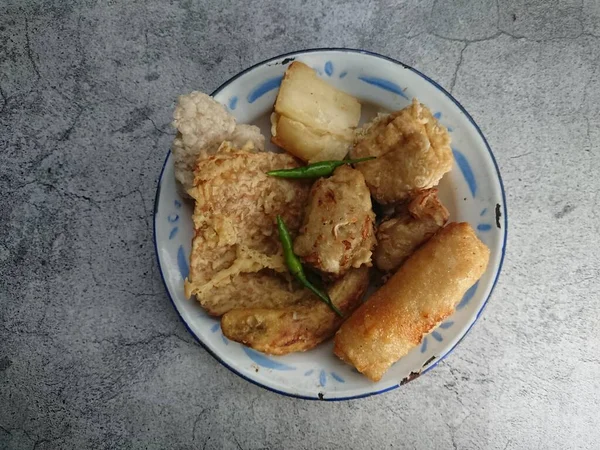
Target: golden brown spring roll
{"type": "Point", "coordinates": [424, 291]}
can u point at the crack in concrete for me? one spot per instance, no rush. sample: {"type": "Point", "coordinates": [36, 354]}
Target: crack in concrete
{"type": "Point", "coordinates": [497, 14]}
{"type": "Point", "coordinates": [115, 389]}
{"type": "Point", "coordinates": [139, 294]}
{"type": "Point", "coordinates": [157, 128]}
{"type": "Point", "coordinates": [93, 201]}
{"type": "Point", "coordinates": [146, 212]}
{"type": "Point", "coordinates": [92, 272]}
{"type": "Point", "coordinates": [67, 133]}
{"type": "Point", "coordinates": [396, 414]}
{"type": "Point", "coordinates": [156, 338]}
{"type": "Point", "coordinates": [120, 196]}
{"type": "Point", "coordinates": [494, 36]}
{"type": "Point", "coordinates": [521, 155]}
{"type": "Point", "coordinates": [70, 194]}
{"type": "Point", "coordinates": [146, 53]}
{"type": "Point", "coordinates": [455, 75]}
{"type": "Point", "coordinates": [550, 39]}
{"type": "Point", "coordinates": [585, 110]}
{"type": "Point", "coordinates": [4, 99]}
{"type": "Point", "coordinates": [21, 186]}
{"type": "Point", "coordinates": [453, 388]}
{"type": "Point", "coordinates": [101, 284]}
{"type": "Point", "coordinates": [26, 332]}
{"type": "Point", "coordinates": [588, 133]}
{"type": "Point", "coordinates": [469, 41]}
{"type": "Point", "coordinates": [29, 51]}
{"type": "Point", "coordinates": [198, 417]}
{"type": "Point", "coordinates": [501, 32]}
{"type": "Point", "coordinates": [47, 441]}
{"type": "Point", "coordinates": [24, 431]}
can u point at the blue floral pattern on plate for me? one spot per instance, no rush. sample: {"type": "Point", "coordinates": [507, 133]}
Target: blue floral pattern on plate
{"type": "Point", "coordinates": [317, 374]}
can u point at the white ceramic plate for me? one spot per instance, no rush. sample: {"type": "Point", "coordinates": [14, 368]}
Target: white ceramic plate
{"type": "Point", "coordinates": [472, 192]}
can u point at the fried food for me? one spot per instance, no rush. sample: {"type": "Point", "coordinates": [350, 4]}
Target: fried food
{"type": "Point", "coordinates": [412, 149]}
{"type": "Point", "coordinates": [400, 236]}
{"type": "Point", "coordinates": [307, 143]}
{"type": "Point", "coordinates": [235, 225]}
{"type": "Point", "coordinates": [424, 291]}
{"type": "Point", "coordinates": [305, 97]}
{"type": "Point", "coordinates": [313, 120]}
{"type": "Point", "coordinates": [338, 231]}
{"type": "Point", "coordinates": [237, 269]}
{"type": "Point", "coordinates": [300, 327]}
{"type": "Point", "coordinates": [202, 125]}
{"type": "Point", "coordinates": [261, 289]}
{"type": "Point", "coordinates": [244, 134]}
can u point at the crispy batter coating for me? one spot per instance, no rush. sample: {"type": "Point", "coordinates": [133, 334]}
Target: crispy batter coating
{"type": "Point", "coordinates": [300, 327]}
{"type": "Point", "coordinates": [262, 289]}
{"type": "Point", "coordinates": [202, 125]}
{"type": "Point", "coordinates": [400, 236]}
{"type": "Point", "coordinates": [423, 292]}
{"type": "Point", "coordinates": [235, 223]}
{"type": "Point", "coordinates": [338, 231]}
{"type": "Point", "coordinates": [413, 153]}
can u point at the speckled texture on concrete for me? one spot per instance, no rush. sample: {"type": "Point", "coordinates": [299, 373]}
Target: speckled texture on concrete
{"type": "Point", "coordinates": [92, 354]}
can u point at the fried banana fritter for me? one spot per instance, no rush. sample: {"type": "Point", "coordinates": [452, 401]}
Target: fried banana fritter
{"type": "Point", "coordinates": [279, 331]}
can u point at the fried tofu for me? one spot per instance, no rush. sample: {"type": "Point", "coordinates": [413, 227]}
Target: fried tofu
{"type": "Point", "coordinates": [412, 149]}
{"type": "Point", "coordinates": [338, 229]}
{"type": "Point", "coordinates": [400, 236]}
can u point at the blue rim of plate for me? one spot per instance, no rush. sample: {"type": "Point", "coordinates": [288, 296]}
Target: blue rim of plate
{"type": "Point", "coordinates": [504, 211]}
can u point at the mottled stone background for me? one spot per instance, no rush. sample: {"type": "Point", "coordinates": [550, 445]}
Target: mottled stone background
{"type": "Point", "coordinates": [92, 354]}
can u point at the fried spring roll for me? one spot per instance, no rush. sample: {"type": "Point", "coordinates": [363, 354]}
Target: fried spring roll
{"type": "Point", "coordinates": [424, 291]}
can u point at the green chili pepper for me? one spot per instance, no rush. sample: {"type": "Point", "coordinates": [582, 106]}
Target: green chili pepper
{"type": "Point", "coordinates": [316, 170]}
{"type": "Point", "coordinates": [295, 266]}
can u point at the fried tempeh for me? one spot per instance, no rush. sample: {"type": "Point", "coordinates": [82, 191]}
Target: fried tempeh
{"type": "Point", "coordinates": [297, 328]}
{"type": "Point", "coordinates": [234, 223]}
{"type": "Point", "coordinates": [417, 298]}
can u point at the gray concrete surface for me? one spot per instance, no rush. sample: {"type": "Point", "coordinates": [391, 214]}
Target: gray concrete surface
{"type": "Point", "coordinates": [92, 355]}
